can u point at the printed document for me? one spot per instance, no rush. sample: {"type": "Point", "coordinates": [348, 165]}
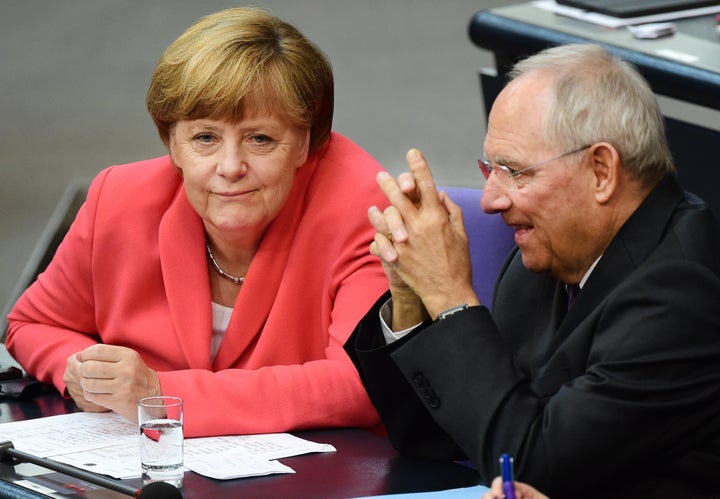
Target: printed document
{"type": "Point", "coordinates": [108, 444]}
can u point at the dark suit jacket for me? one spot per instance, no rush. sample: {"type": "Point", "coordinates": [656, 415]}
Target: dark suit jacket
{"type": "Point", "coordinates": [618, 398]}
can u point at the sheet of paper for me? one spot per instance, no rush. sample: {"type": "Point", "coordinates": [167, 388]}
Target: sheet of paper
{"type": "Point", "coordinates": [235, 463]}
{"type": "Point", "coordinates": [617, 22]}
{"type": "Point", "coordinates": [108, 444]}
{"type": "Point", "coordinates": [240, 456]}
{"type": "Point", "coordinates": [118, 461]}
{"type": "Point", "coordinates": [67, 433]}
{"type": "Point", "coordinates": [268, 446]}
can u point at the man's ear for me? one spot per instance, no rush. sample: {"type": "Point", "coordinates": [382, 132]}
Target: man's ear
{"type": "Point", "coordinates": [605, 164]}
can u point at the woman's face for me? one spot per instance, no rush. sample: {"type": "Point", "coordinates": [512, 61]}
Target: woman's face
{"type": "Point", "coordinates": [237, 175]}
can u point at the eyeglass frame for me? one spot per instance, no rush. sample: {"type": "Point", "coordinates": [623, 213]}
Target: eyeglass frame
{"type": "Point", "coordinates": [486, 167]}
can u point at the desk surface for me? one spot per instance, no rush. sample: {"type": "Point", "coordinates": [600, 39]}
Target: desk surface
{"type": "Point", "coordinates": [685, 66]}
{"type": "Point", "coordinates": [363, 465]}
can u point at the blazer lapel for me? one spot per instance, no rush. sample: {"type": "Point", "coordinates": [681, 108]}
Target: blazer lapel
{"type": "Point", "coordinates": [264, 276]}
{"type": "Point", "coordinates": [183, 261]}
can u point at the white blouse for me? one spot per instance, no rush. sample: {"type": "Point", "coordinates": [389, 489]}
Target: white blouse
{"type": "Point", "coordinates": [220, 320]}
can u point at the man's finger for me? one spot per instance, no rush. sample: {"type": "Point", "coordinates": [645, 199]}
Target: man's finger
{"type": "Point", "coordinates": [383, 248]}
{"type": "Point", "coordinates": [396, 231]}
{"type": "Point", "coordinates": [377, 220]}
{"type": "Point", "coordinates": [388, 223]}
{"type": "Point", "coordinates": [423, 177]}
{"type": "Point", "coordinates": [406, 181]}
{"type": "Point", "coordinates": [394, 193]}
{"type": "Point", "coordinates": [382, 245]}
{"type": "Point", "coordinates": [454, 213]}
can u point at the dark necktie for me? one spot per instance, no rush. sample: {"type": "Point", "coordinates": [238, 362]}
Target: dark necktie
{"type": "Point", "coordinates": [572, 290]}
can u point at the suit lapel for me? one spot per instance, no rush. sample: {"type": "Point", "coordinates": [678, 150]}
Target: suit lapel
{"type": "Point", "coordinates": [528, 329]}
{"type": "Point", "coordinates": [628, 250]}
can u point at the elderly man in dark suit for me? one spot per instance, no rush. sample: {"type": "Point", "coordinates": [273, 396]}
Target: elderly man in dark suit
{"type": "Point", "coordinates": [617, 396]}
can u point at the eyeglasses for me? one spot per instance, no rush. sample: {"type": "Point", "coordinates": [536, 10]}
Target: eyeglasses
{"type": "Point", "coordinates": [486, 167]}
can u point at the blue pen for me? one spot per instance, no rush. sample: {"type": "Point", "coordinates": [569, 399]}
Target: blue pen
{"type": "Point", "coordinates": [506, 467]}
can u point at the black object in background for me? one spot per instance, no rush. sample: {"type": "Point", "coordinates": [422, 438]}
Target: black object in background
{"type": "Point", "coordinates": [10, 372]}
{"type": "Point", "coordinates": [14, 384]}
{"type": "Point", "coordinates": [636, 8]}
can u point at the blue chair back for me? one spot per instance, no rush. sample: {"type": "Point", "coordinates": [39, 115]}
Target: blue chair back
{"type": "Point", "coordinates": [490, 240]}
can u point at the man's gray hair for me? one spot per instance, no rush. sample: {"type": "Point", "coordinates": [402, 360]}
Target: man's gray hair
{"type": "Point", "coordinates": [599, 97]}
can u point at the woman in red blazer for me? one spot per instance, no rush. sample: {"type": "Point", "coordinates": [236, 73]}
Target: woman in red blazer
{"type": "Point", "coordinates": [231, 272]}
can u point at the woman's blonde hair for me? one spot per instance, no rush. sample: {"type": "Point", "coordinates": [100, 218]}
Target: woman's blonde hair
{"type": "Point", "coordinates": [243, 58]}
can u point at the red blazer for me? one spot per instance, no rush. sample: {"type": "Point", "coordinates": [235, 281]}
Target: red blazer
{"type": "Point", "coordinates": [133, 271]}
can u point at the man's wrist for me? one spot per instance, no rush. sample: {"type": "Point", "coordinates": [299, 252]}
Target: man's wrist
{"type": "Point", "coordinates": [452, 311]}
{"type": "Point", "coordinates": [386, 321]}
{"type": "Point", "coordinates": [443, 304]}
{"type": "Point", "coordinates": [408, 310]}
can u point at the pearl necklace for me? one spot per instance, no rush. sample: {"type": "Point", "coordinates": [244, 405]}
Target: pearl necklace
{"type": "Point", "coordinates": [236, 280]}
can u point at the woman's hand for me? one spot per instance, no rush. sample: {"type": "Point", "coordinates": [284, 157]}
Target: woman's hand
{"type": "Point", "coordinates": [111, 377]}
{"type": "Point", "coordinates": [522, 491]}
{"type": "Point", "coordinates": [71, 377]}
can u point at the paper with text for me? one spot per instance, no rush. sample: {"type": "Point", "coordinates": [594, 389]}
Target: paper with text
{"type": "Point", "coordinates": [108, 444]}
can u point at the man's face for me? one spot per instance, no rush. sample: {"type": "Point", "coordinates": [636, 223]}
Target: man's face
{"type": "Point", "coordinates": [549, 206]}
